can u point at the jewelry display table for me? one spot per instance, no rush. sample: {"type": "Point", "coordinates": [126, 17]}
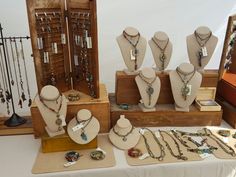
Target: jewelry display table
{"type": "Point", "coordinates": [18, 154]}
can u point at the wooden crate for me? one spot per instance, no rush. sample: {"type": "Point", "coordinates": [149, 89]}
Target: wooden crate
{"type": "Point", "coordinates": [164, 116]}
{"type": "Point", "coordinates": [126, 89]}
{"type": "Point", "coordinates": [64, 143]}
{"type": "Point", "coordinates": [100, 108]}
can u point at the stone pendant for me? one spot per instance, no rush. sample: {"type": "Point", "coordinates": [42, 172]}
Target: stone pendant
{"type": "Point", "coordinates": [83, 136]}
{"type": "Point", "coordinates": [185, 91]}
{"type": "Point", "coordinates": [200, 56]}
{"type": "Point", "coordinates": [124, 138]}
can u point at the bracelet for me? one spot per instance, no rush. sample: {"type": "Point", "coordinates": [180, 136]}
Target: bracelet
{"type": "Point", "coordinates": [134, 152]}
{"type": "Point", "coordinates": [224, 133]}
{"type": "Point", "coordinates": [72, 156]}
{"type": "Point", "coordinates": [97, 155]}
{"type": "Point", "coordinates": [234, 135]}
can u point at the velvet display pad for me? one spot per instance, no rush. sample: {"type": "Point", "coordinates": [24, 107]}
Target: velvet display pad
{"type": "Point", "coordinates": [54, 162]}
{"type": "Point", "coordinates": [219, 153]}
{"type": "Point", "coordinates": [156, 150]}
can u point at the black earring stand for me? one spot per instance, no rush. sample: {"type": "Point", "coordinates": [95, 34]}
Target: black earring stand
{"type": "Point", "coordinates": [14, 120]}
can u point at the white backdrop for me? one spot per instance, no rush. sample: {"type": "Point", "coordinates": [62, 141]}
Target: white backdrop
{"type": "Point", "coordinates": [177, 18]}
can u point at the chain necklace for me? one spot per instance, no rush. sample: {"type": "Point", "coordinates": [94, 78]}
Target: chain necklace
{"type": "Point", "coordinates": [202, 44]}
{"type": "Point", "coordinates": [26, 76]}
{"type": "Point", "coordinates": [162, 150]}
{"type": "Point", "coordinates": [191, 134]}
{"type": "Point", "coordinates": [85, 124]}
{"type": "Point", "coordinates": [185, 90]}
{"type": "Point", "coordinates": [149, 89]}
{"type": "Point", "coordinates": [221, 143]}
{"type": "Point", "coordinates": [184, 143]}
{"type": "Point", "coordinates": [57, 112]}
{"type": "Point", "coordinates": [2, 89]}
{"type": "Point", "coordinates": [180, 155]}
{"type": "Point", "coordinates": [124, 137]}
{"type": "Point", "coordinates": [162, 56]}
{"type": "Point", "coordinates": [134, 52]}
{"type": "Point", "coordinates": [8, 60]}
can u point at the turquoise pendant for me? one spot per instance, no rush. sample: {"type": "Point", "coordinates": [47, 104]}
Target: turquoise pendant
{"type": "Point", "coordinates": [84, 136]}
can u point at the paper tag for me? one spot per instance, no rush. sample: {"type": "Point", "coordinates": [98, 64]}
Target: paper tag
{"type": "Point", "coordinates": [45, 57]}
{"type": "Point", "coordinates": [157, 134]}
{"type": "Point", "coordinates": [68, 164]}
{"type": "Point", "coordinates": [226, 140]}
{"type": "Point", "coordinates": [76, 60]}
{"type": "Point", "coordinates": [89, 42]}
{"type": "Point", "coordinates": [132, 57]}
{"type": "Point", "coordinates": [142, 131]}
{"type": "Point", "coordinates": [77, 127]}
{"type": "Point", "coordinates": [204, 52]}
{"type": "Point", "coordinates": [144, 156]}
{"type": "Point", "coordinates": [99, 149]}
{"type": "Point", "coordinates": [63, 38]}
{"type": "Point", "coordinates": [54, 47]}
{"type": "Point", "coordinates": [40, 43]}
{"type": "Point", "coordinates": [190, 89]}
{"type": "Point", "coordinates": [205, 155]}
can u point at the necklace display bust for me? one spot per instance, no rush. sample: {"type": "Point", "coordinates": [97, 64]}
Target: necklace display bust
{"type": "Point", "coordinates": [133, 48]}
{"type": "Point", "coordinates": [84, 127]}
{"type": "Point", "coordinates": [161, 50]}
{"type": "Point", "coordinates": [204, 42]}
{"type": "Point", "coordinates": [185, 82]}
{"type": "Point", "coordinates": [53, 108]}
{"type": "Point", "coordinates": [124, 135]}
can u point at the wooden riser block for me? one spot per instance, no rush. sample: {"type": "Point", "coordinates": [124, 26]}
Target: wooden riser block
{"type": "Point", "coordinates": [165, 116]}
{"type": "Point", "coordinates": [26, 128]}
{"type": "Point", "coordinates": [64, 143]}
{"type": "Point", "coordinates": [127, 91]}
{"type": "Point", "coordinates": [100, 108]}
{"type": "Point", "coordinates": [229, 112]}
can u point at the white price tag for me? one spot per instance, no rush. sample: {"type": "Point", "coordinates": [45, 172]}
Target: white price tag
{"type": "Point", "coordinates": [204, 52]}
{"type": "Point", "coordinates": [190, 89]}
{"type": "Point", "coordinates": [226, 140]}
{"type": "Point", "coordinates": [157, 134]}
{"type": "Point", "coordinates": [68, 164]}
{"type": "Point", "coordinates": [144, 156]}
{"type": "Point", "coordinates": [205, 155]}
{"type": "Point", "coordinates": [76, 61]}
{"type": "Point", "coordinates": [142, 131]}
{"type": "Point", "coordinates": [132, 57]}
{"type": "Point", "coordinates": [99, 149]}
{"type": "Point", "coordinates": [77, 127]}
{"type": "Point", "coordinates": [63, 38]}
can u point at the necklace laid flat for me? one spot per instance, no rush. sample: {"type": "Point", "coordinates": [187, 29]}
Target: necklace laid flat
{"type": "Point", "coordinates": [124, 137]}
{"type": "Point", "coordinates": [133, 52]}
{"type": "Point", "coordinates": [185, 90]}
{"type": "Point", "coordinates": [162, 56]}
{"type": "Point", "coordinates": [58, 121]}
{"type": "Point", "coordinates": [149, 89]}
{"type": "Point", "coordinates": [85, 124]}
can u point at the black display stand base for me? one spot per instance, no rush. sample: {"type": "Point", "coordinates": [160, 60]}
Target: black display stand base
{"type": "Point", "coordinates": [14, 121]}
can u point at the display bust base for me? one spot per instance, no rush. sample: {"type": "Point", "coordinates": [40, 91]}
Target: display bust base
{"type": "Point", "coordinates": [131, 72]}
{"type": "Point", "coordinates": [185, 109]}
{"type": "Point", "coordinates": [144, 109]}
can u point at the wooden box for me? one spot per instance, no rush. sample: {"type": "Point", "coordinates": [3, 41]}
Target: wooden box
{"type": "Point", "coordinates": [100, 108]}
{"type": "Point", "coordinates": [205, 100]}
{"type": "Point", "coordinates": [165, 115]}
{"type": "Point", "coordinates": [63, 143]}
{"type": "Point", "coordinates": [126, 89]}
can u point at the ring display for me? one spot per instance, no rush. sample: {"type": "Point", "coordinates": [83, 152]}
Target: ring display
{"type": "Point", "coordinates": [97, 155]}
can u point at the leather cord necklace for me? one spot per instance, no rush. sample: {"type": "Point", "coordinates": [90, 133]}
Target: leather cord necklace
{"type": "Point", "coordinates": [185, 90]}
{"type": "Point", "coordinates": [162, 56]}
{"type": "Point", "coordinates": [149, 89]}
{"type": "Point", "coordinates": [221, 143]}
{"type": "Point", "coordinates": [180, 155]}
{"type": "Point", "coordinates": [161, 147]}
{"type": "Point", "coordinates": [85, 124]}
{"type": "Point", "coordinates": [58, 121]}
{"type": "Point", "coordinates": [134, 52]}
{"type": "Point", "coordinates": [124, 137]}
{"type": "Point", "coordinates": [202, 44]}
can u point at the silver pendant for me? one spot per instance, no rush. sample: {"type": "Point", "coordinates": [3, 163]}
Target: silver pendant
{"type": "Point", "coordinates": [45, 57]}
{"type": "Point", "coordinates": [89, 42]}
{"type": "Point", "coordinates": [63, 38]}
{"type": "Point", "coordinates": [54, 48]}
{"type": "Point", "coordinates": [40, 43]}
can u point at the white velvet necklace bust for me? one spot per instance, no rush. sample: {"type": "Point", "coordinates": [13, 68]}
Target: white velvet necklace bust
{"type": "Point", "coordinates": [177, 85]}
{"type": "Point", "coordinates": [126, 48]}
{"type": "Point", "coordinates": [51, 97]}
{"type": "Point", "coordinates": [194, 48]}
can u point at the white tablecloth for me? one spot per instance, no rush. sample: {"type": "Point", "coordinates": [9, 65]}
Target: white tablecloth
{"type": "Point", "coordinates": [18, 154]}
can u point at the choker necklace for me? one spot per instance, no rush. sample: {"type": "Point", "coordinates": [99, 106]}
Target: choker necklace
{"type": "Point", "coordinates": [84, 123]}
{"type": "Point", "coordinates": [124, 137]}
{"type": "Point", "coordinates": [57, 112]}
{"type": "Point", "coordinates": [162, 153]}
{"type": "Point", "coordinates": [134, 52]}
{"type": "Point", "coordinates": [149, 89]}
{"type": "Point", "coordinates": [162, 56]}
{"type": "Point", "coordinates": [202, 44]}
{"type": "Point", "coordinates": [221, 143]}
{"type": "Point", "coordinates": [180, 155]}
{"type": "Point", "coordinates": [185, 90]}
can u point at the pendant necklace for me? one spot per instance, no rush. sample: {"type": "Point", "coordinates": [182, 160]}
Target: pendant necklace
{"type": "Point", "coordinates": [185, 90]}
{"type": "Point", "coordinates": [202, 44]}
{"type": "Point", "coordinates": [149, 89]}
{"type": "Point", "coordinates": [85, 124]}
{"type": "Point", "coordinates": [124, 137]}
{"type": "Point", "coordinates": [162, 56]}
{"type": "Point", "coordinates": [161, 147]}
{"type": "Point", "coordinates": [133, 53]}
{"type": "Point", "coordinates": [180, 154]}
{"type": "Point", "coordinates": [58, 121]}
{"type": "Point", "coordinates": [9, 63]}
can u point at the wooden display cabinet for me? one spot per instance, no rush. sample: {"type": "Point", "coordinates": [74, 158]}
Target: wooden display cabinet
{"type": "Point", "coordinates": [64, 42]}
